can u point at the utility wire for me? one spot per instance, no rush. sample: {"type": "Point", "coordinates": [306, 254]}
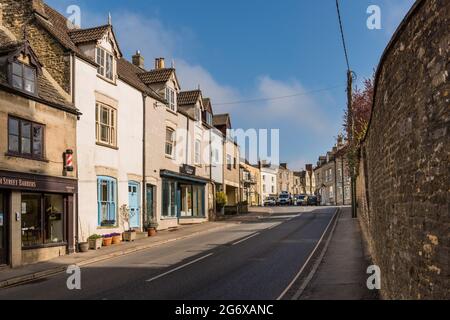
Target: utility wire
{"type": "Point", "coordinates": [278, 98]}
{"type": "Point", "coordinates": [342, 35]}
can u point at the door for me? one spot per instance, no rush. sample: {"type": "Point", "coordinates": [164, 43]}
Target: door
{"type": "Point", "coordinates": [3, 231]}
{"type": "Point", "coordinates": [151, 192]}
{"type": "Point", "coordinates": [134, 204]}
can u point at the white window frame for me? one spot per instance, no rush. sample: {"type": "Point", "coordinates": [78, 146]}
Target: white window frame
{"type": "Point", "coordinates": [110, 125]}
{"type": "Point", "coordinates": [171, 98]}
{"type": "Point", "coordinates": [105, 59]}
{"type": "Point", "coordinates": [170, 143]}
{"type": "Point", "coordinates": [197, 155]}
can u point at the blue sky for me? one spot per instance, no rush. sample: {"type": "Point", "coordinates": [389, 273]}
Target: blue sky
{"type": "Point", "coordinates": [242, 50]}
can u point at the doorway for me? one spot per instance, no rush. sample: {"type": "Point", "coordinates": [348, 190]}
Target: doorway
{"type": "Point", "coordinates": [134, 204]}
{"type": "Point", "coordinates": [4, 244]}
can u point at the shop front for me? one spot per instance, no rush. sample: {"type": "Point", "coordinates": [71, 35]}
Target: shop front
{"type": "Point", "coordinates": [183, 197]}
{"type": "Point", "coordinates": [36, 218]}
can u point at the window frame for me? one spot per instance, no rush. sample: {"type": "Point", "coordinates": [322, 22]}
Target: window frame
{"type": "Point", "coordinates": [171, 99]}
{"type": "Point", "coordinates": [171, 143]}
{"type": "Point", "coordinates": [198, 152]}
{"type": "Point", "coordinates": [111, 128]}
{"type": "Point", "coordinates": [23, 78]}
{"type": "Point", "coordinates": [101, 58]}
{"type": "Point", "coordinates": [32, 155]}
{"type": "Point", "coordinates": [111, 202]}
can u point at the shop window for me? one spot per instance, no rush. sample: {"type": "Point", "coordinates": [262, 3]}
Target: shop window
{"type": "Point", "coordinates": [106, 125]}
{"type": "Point", "coordinates": [42, 219]}
{"type": "Point", "coordinates": [107, 197]}
{"type": "Point", "coordinates": [169, 201]}
{"type": "Point", "coordinates": [25, 138]}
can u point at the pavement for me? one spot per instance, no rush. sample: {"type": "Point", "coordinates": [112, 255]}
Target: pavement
{"type": "Point", "coordinates": [266, 255]}
{"type": "Point", "coordinates": [342, 273]}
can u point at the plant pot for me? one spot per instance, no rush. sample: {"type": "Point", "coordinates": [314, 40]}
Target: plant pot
{"type": "Point", "coordinates": [152, 232]}
{"type": "Point", "coordinates": [95, 244]}
{"type": "Point", "coordinates": [107, 242]}
{"type": "Point", "coordinates": [83, 247]}
{"type": "Point", "coordinates": [117, 240]}
{"type": "Point", "coordinates": [129, 236]}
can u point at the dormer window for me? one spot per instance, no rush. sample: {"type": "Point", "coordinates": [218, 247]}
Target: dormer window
{"type": "Point", "coordinates": [23, 77]}
{"type": "Point", "coordinates": [209, 118]}
{"type": "Point", "coordinates": [198, 114]}
{"type": "Point", "coordinates": [171, 99]}
{"type": "Point", "coordinates": [105, 60]}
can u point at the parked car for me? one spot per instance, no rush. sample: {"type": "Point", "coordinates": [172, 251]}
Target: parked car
{"type": "Point", "coordinates": [313, 201]}
{"type": "Point", "coordinates": [302, 200]}
{"type": "Point", "coordinates": [284, 199]}
{"type": "Point", "coordinates": [270, 202]}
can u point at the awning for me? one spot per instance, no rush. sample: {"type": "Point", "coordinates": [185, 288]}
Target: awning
{"type": "Point", "coordinates": [184, 177]}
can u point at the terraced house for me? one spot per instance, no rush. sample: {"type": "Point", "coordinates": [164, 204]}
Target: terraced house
{"type": "Point", "coordinates": [38, 124]}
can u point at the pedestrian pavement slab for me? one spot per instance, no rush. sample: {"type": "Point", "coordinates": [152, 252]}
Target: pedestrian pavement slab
{"type": "Point", "coordinates": [342, 272]}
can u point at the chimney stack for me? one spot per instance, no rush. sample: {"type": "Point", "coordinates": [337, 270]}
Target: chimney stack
{"type": "Point", "coordinates": [160, 63]}
{"type": "Point", "coordinates": [138, 60]}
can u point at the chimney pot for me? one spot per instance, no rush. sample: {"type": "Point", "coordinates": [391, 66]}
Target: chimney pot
{"type": "Point", "coordinates": [138, 60]}
{"type": "Point", "coordinates": [159, 63]}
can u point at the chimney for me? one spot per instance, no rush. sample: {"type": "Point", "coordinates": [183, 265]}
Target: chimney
{"type": "Point", "coordinates": [159, 63]}
{"type": "Point", "coordinates": [138, 60]}
{"type": "Point", "coordinates": [309, 167]}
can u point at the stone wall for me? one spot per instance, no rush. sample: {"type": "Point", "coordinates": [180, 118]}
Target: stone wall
{"type": "Point", "coordinates": [403, 187]}
{"type": "Point", "coordinates": [17, 17]}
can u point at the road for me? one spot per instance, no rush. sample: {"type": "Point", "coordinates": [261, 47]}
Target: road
{"type": "Point", "coordinates": [256, 260]}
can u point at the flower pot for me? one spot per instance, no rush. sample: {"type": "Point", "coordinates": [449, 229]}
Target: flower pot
{"type": "Point", "coordinates": [129, 236]}
{"type": "Point", "coordinates": [95, 244]}
{"type": "Point", "coordinates": [83, 247]}
{"type": "Point", "coordinates": [152, 232]}
{"type": "Point", "coordinates": [117, 239]}
{"type": "Point", "coordinates": [107, 242]}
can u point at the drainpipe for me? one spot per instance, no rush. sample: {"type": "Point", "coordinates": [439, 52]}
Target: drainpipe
{"type": "Point", "coordinates": [144, 159]}
{"type": "Point", "coordinates": [343, 181]}
{"type": "Point", "coordinates": [77, 216]}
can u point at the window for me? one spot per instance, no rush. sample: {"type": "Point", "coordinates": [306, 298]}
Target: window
{"type": "Point", "coordinates": [229, 164]}
{"type": "Point", "coordinates": [106, 124]}
{"type": "Point", "coordinates": [209, 118]}
{"type": "Point", "coordinates": [198, 147]}
{"type": "Point", "coordinates": [216, 156]}
{"type": "Point", "coordinates": [171, 99]}
{"type": "Point", "coordinates": [25, 138]}
{"type": "Point", "coordinates": [331, 192]}
{"type": "Point", "coordinates": [106, 200]}
{"type": "Point", "coordinates": [105, 60]}
{"type": "Point", "coordinates": [198, 114]}
{"type": "Point", "coordinates": [169, 207]}
{"type": "Point", "coordinates": [264, 188]}
{"type": "Point", "coordinates": [170, 142]}
{"type": "Point", "coordinates": [264, 178]}
{"type": "Point", "coordinates": [42, 219]}
{"type": "Point", "coordinates": [23, 77]}
{"type": "Point", "coordinates": [273, 189]}
{"type": "Point", "coordinates": [234, 163]}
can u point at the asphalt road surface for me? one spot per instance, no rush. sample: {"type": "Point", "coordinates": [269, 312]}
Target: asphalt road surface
{"type": "Point", "coordinates": [256, 260]}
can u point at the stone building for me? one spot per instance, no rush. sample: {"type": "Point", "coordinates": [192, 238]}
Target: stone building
{"type": "Point", "coordinates": [251, 184]}
{"type": "Point", "coordinates": [403, 182]}
{"type": "Point", "coordinates": [38, 160]}
{"type": "Point", "coordinates": [285, 179]}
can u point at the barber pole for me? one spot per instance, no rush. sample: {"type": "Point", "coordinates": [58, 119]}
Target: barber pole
{"type": "Point", "coordinates": [69, 160]}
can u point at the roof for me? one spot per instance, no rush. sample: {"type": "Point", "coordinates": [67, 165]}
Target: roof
{"type": "Point", "coordinates": [88, 35]}
{"type": "Point", "coordinates": [46, 91]}
{"type": "Point", "coordinates": [58, 26]}
{"type": "Point", "coordinates": [128, 73]}
{"type": "Point", "coordinates": [208, 105]}
{"type": "Point", "coordinates": [221, 119]}
{"type": "Point", "coordinates": [186, 98]}
{"type": "Point", "coordinates": [156, 76]}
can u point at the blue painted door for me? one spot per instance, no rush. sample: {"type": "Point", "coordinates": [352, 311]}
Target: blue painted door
{"type": "Point", "coordinates": [134, 204]}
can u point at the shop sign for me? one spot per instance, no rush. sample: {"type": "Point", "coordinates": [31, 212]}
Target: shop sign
{"type": "Point", "coordinates": [18, 183]}
{"type": "Point", "coordinates": [189, 170]}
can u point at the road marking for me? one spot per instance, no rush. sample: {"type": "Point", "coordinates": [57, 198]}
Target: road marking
{"type": "Point", "coordinates": [179, 268]}
{"type": "Point", "coordinates": [307, 261]}
{"type": "Point", "coordinates": [248, 238]}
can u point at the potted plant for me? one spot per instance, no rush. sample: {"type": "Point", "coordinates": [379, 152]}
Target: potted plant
{"type": "Point", "coordinates": [83, 247]}
{"type": "Point", "coordinates": [221, 202]}
{"type": "Point", "coordinates": [152, 228]}
{"type": "Point", "coordinates": [107, 240]}
{"type": "Point", "coordinates": [129, 235]}
{"type": "Point", "coordinates": [95, 242]}
{"type": "Point", "coordinates": [116, 238]}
